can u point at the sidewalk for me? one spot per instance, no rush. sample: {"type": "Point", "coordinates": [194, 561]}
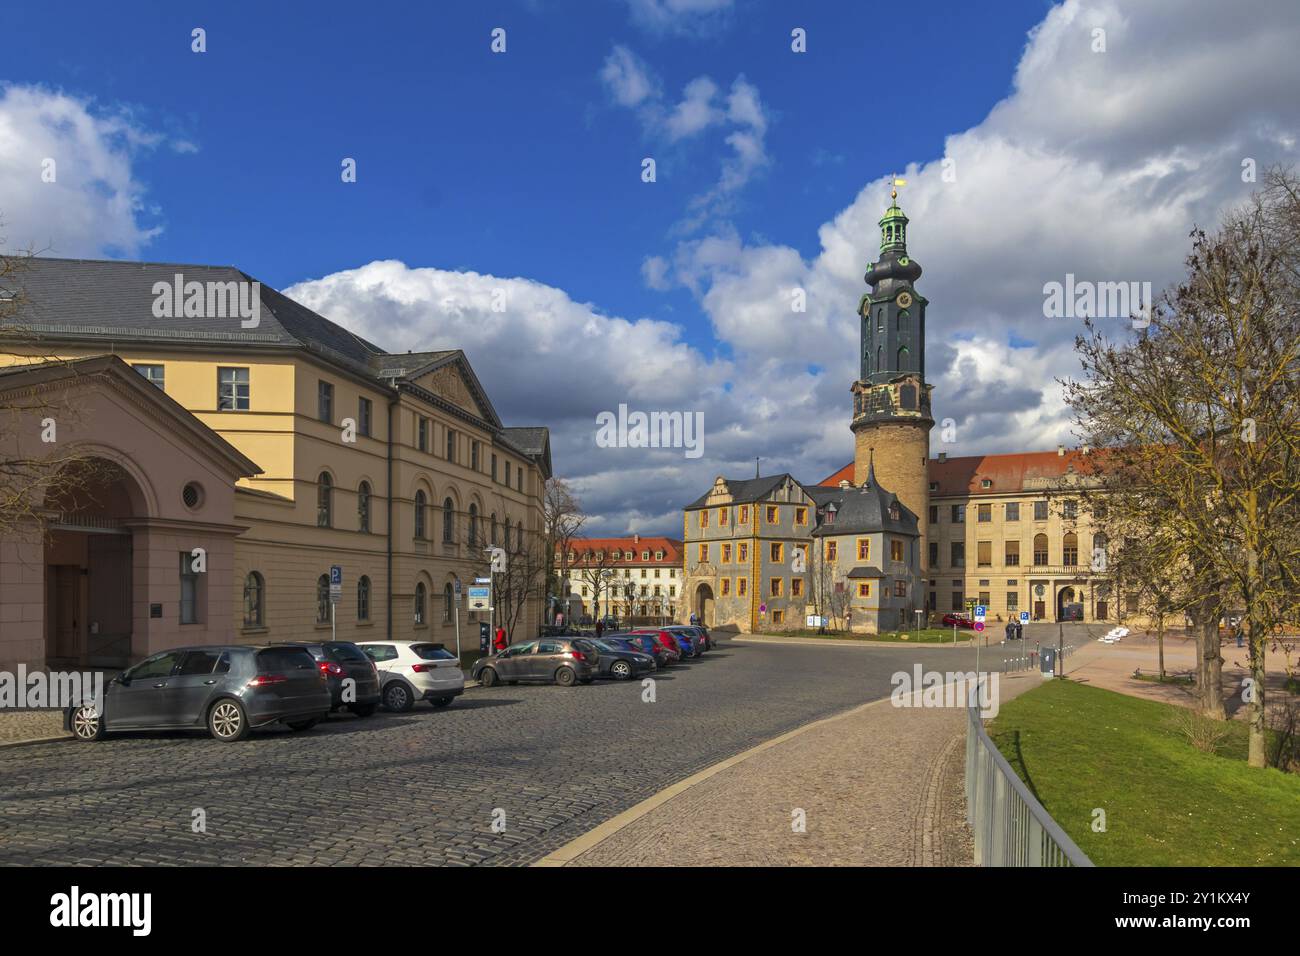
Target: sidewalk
{"type": "Point", "coordinates": [879, 786]}
{"type": "Point", "coordinates": [28, 726]}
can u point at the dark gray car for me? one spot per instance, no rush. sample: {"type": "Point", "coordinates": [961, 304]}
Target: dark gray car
{"type": "Point", "coordinates": [553, 660]}
{"type": "Point", "coordinates": [229, 689]}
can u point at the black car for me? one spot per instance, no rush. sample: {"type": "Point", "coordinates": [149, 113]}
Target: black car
{"type": "Point", "coordinates": [229, 689]}
{"type": "Point", "coordinates": [340, 662]}
{"type": "Point", "coordinates": [617, 659]}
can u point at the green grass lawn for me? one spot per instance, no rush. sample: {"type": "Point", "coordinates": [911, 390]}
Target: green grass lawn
{"type": "Point", "coordinates": [1167, 803]}
{"type": "Point", "coordinates": [930, 635]}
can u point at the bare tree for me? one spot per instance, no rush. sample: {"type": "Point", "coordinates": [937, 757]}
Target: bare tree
{"type": "Point", "coordinates": [562, 519]}
{"type": "Point", "coordinates": [1199, 422]}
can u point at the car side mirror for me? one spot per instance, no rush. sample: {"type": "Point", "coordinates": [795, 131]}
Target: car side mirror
{"type": "Point", "coordinates": [123, 678]}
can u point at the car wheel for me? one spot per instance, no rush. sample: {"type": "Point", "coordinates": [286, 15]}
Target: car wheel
{"type": "Point", "coordinates": [621, 670]}
{"type": "Point", "coordinates": [565, 677]}
{"type": "Point", "coordinates": [398, 697]}
{"type": "Point", "coordinates": [303, 724]}
{"type": "Point", "coordinates": [362, 710]}
{"type": "Point", "coordinates": [487, 677]}
{"type": "Point", "coordinates": [227, 721]}
{"type": "Point", "coordinates": [87, 725]}
{"type": "Point", "coordinates": [442, 702]}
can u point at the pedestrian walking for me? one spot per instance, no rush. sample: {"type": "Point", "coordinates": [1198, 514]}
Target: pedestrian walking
{"type": "Point", "coordinates": [1011, 631]}
{"type": "Point", "coordinates": [1020, 631]}
{"type": "Point", "coordinates": [500, 643]}
{"type": "Point", "coordinates": [600, 629]}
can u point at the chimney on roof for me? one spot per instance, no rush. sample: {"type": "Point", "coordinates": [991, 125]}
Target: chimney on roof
{"type": "Point", "coordinates": [943, 456]}
{"type": "Point", "coordinates": [636, 539]}
{"type": "Point", "coordinates": [844, 484]}
{"type": "Point", "coordinates": [1060, 451]}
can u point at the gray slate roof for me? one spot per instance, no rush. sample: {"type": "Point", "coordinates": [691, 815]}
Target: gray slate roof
{"type": "Point", "coordinates": [866, 510]}
{"type": "Point", "coordinates": [745, 490]}
{"type": "Point", "coordinates": [111, 301]}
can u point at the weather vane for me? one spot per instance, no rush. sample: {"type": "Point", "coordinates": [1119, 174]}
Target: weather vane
{"type": "Point", "coordinates": [893, 193]}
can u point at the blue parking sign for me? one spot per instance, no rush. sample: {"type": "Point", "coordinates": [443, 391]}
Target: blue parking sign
{"type": "Point", "coordinates": [1024, 615]}
{"type": "Point", "coordinates": [336, 574]}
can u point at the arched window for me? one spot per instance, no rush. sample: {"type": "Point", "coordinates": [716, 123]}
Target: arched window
{"type": "Point", "coordinates": [880, 358]}
{"type": "Point", "coordinates": [519, 536]}
{"type": "Point", "coordinates": [494, 529]}
{"type": "Point", "coordinates": [507, 535]}
{"type": "Point", "coordinates": [363, 507]}
{"type": "Point", "coordinates": [448, 521]}
{"type": "Point", "coordinates": [448, 603]}
{"type": "Point", "coordinates": [323, 599]}
{"type": "Point", "coordinates": [473, 524]}
{"type": "Point", "coordinates": [363, 598]}
{"type": "Point", "coordinates": [420, 597]}
{"type": "Point", "coordinates": [904, 357]}
{"type": "Point", "coordinates": [1040, 550]}
{"type": "Point", "coordinates": [421, 503]}
{"type": "Point", "coordinates": [254, 600]}
{"type": "Point", "coordinates": [1070, 549]}
{"type": "Point", "coordinates": [324, 501]}
{"type": "Point", "coordinates": [904, 317]}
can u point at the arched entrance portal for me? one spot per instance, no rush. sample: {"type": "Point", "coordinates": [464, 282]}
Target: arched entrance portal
{"type": "Point", "coordinates": [703, 606]}
{"type": "Point", "coordinates": [88, 564]}
{"type": "Point", "coordinates": [1067, 605]}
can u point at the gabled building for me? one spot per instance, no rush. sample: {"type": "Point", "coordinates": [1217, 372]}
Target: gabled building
{"type": "Point", "coordinates": [632, 577]}
{"type": "Point", "coordinates": [288, 445]}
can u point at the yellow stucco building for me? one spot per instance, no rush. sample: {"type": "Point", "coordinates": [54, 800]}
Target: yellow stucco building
{"type": "Point", "coordinates": [329, 451]}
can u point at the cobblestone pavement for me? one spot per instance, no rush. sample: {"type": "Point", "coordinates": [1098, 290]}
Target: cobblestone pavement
{"type": "Point", "coordinates": [29, 725]}
{"type": "Point", "coordinates": [882, 786]}
{"type": "Point", "coordinates": [421, 787]}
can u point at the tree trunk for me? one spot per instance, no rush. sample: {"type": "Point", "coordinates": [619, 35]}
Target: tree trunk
{"type": "Point", "coordinates": [1160, 643]}
{"type": "Point", "coordinates": [1257, 752]}
{"type": "Point", "coordinates": [1209, 668]}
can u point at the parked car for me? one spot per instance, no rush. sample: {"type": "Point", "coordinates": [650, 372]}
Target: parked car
{"type": "Point", "coordinates": [415, 670]}
{"type": "Point", "coordinates": [664, 641]}
{"type": "Point", "coordinates": [552, 660]}
{"type": "Point", "coordinates": [229, 689]}
{"type": "Point", "coordinates": [618, 659]}
{"type": "Point", "coordinates": [693, 634]}
{"type": "Point", "coordinates": [957, 620]}
{"type": "Point", "coordinates": [650, 645]}
{"type": "Point", "coordinates": [341, 661]}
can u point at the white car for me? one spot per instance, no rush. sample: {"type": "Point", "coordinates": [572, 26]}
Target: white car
{"type": "Point", "coordinates": [415, 670]}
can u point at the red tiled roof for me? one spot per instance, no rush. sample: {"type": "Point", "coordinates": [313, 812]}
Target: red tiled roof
{"type": "Point", "coordinates": [671, 547]}
{"type": "Point", "coordinates": [965, 475]}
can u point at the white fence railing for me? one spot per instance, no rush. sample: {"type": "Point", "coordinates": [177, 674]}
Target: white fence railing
{"type": "Point", "coordinates": [1011, 827]}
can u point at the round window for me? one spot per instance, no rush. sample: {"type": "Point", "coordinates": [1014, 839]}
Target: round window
{"type": "Point", "coordinates": [192, 495]}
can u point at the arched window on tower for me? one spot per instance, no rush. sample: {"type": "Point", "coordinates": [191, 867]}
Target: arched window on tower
{"type": "Point", "coordinates": [904, 318]}
{"type": "Point", "coordinates": [880, 358]}
{"type": "Point", "coordinates": [904, 357]}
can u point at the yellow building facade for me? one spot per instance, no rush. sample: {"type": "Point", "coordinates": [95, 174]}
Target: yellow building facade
{"type": "Point", "coordinates": [394, 467]}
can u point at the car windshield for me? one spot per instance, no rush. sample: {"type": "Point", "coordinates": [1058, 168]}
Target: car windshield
{"type": "Point", "coordinates": [433, 652]}
{"type": "Point", "coordinates": [346, 654]}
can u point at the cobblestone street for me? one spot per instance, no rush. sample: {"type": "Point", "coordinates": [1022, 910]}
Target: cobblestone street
{"type": "Point", "coordinates": [422, 788]}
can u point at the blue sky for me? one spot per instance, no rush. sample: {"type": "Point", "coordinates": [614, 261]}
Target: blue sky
{"type": "Point", "coordinates": [1031, 150]}
{"type": "Point", "coordinates": [514, 164]}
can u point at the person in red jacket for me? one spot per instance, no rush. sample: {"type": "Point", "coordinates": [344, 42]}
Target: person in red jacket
{"type": "Point", "coordinates": [500, 643]}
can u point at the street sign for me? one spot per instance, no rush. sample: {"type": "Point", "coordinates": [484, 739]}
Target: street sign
{"type": "Point", "coordinates": [457, 587]}
{"type": "Point", "coordinates": [336, 583]}
{"type": "Point", "coordinates": [981, 611]}
{"type": "Point", "coordinates": [979, 625]}
{"type": "Point", "coordinates": [1024, 616]}
{"type": "Point", "coordinates": [815, 621]}
{"type": "Point", "coordinates": [480, 597]}
{"type": "Point", "coordinates": [762, 609]}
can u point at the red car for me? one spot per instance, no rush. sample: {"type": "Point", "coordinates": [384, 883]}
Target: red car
{"type": "Point", "coordinates": [957, 620]}
{"type": "Point", "coordinates": [663, 641]}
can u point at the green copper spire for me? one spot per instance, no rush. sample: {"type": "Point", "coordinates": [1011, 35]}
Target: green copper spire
{"type": "Point", "coordinates": [893, 227]}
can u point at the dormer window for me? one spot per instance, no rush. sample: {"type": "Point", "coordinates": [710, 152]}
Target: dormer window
{"type": "Point", "coordinates": [934, 486]}
{"type": "Point", "coordinates": [894, 513]}
{"type": "Point", "coordinates": [986, 483]}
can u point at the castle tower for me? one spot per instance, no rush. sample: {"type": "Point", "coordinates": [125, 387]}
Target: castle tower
{"type": "Point", "coordinates": [891, 401]}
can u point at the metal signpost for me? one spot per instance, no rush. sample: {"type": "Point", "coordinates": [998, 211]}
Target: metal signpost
{"type": "Point", "coordinates": [980, 613]}
{"type": "Point", "coordinates": [456, 616]}
{"type": "Point", "coordinates": [336, 592]}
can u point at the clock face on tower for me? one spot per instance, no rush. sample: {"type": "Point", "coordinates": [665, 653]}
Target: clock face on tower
{"type": "Point", "coordinates": [904, 300]}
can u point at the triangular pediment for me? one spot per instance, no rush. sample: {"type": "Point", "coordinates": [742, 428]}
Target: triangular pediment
{"type": "Point", "coordinates": [452, 380]}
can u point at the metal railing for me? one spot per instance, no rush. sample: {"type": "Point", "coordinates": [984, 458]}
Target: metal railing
{"type": "Point", "coordinates": [1011, 827]}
